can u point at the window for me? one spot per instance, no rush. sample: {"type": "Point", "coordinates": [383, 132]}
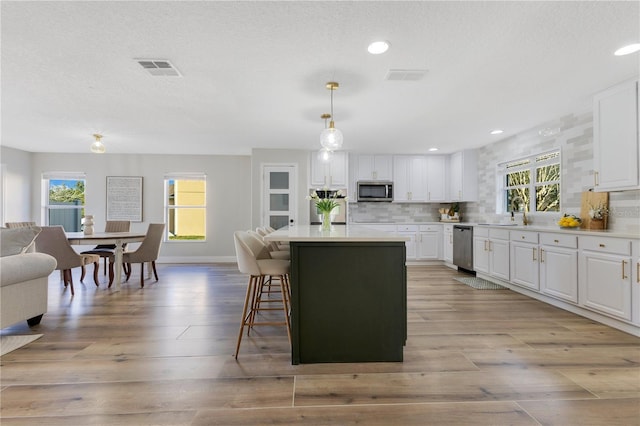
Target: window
{"type": "Point", "coordinates": [185, 206]}
{"type": "Point", "coordinates": [63, 199]}
{"type": "Point", "coordinates": [530, 184]}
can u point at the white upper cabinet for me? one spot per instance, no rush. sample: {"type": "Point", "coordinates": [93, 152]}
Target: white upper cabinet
{"type": "Point", "coordinates": [463, 176]}
{"type": "Point", "coordinates": [330, 174]}
{"type": "Point", "coordinates": [374, 167]}
{"type": "Point", "coordinates": [409, 178]}
{"type": "Point", "coordinates": [615, 138]}
{"type": "Point", "coordinates": [436, 178]}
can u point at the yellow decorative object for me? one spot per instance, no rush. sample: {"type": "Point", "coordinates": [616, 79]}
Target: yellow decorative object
{"type": "Point", "coordinates": [569, 221]}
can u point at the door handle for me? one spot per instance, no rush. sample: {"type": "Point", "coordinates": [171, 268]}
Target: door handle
{"type": "Point", "coordinates": [534, 254]}
{"type": "Point", "coordinates": [624, 277]}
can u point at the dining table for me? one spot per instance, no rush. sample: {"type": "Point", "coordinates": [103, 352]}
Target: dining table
{"type": "Point", "coordinates": [119, 239]}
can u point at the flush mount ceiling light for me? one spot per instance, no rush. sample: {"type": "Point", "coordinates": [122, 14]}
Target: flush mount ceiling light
{"type": "Point", "coordinates": [496, 131]}
{"type": "Point", "coordinates": [331, 138]}
{"type": "Point", "coordinates": [378, 47]}
{"type": "Point", "coordinates": [628, 49]}
{"type": "Point", "coordinates": [434, 149]}
{"type": "Point", "coordinates": [97, 147]}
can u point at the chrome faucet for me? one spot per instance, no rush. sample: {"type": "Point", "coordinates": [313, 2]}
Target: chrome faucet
{"type": "Point", "coordinates": [524, 209]}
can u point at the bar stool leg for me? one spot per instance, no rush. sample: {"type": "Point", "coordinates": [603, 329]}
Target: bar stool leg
{"type": "Point", "coordinates": [248, 300]}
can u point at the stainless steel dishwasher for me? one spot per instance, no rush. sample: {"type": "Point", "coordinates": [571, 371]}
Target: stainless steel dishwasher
{"type": "Point", "coordinates": [463, 247]}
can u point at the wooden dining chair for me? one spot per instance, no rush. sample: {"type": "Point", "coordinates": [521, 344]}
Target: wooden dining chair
{"type": "Point", "coordinates": [53, 241]}
{"type": "Point", "coordinates": [147, 252]}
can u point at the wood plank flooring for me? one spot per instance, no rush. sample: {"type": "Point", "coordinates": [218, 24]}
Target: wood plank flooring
{"type": "Point", "coordinates": [162, 355]}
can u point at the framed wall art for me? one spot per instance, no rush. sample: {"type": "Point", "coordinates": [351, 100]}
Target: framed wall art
{"type": "Point", "coordinates": [124, 198]}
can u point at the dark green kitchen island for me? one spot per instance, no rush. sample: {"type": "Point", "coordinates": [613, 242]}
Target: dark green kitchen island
{"type": "Point", "coordinates": [348, 294]}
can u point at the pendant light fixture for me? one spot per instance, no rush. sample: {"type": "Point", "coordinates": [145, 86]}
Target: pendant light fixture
{"type": "Point", "coordinates": [331, 138]}
{"type": "Point", "coordinates": [324, 154]}
{"type": "Point", "coordinates": [97, 147]}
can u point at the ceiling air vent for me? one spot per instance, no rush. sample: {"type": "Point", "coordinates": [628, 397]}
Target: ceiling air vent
{"type": "Point", "coordinates": [159, 67]}
{"type": "Point", "coordinates": [405, 75]}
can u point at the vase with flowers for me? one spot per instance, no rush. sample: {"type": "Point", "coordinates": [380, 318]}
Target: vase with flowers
{"type": "Point", "coordinates": [598, 214]}
{"type": "Point", "coordinates": [326, 206]}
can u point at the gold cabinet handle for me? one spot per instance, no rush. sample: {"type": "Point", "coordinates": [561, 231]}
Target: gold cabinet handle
{"type": "Point", "coordinates": [534, 254]}
{"type": "Point", "coordinates": [485, 245]}
{"type": "Point", "coordinates": [624, 277]}
{"type": "Point", "coordinates": [541, 258]}
{"type": "Point", "coordinates": [556, 241]}
{"type": "Point", "coordinates": [595, 178]}
{"type": "Point", "coordinates": [450, 238]}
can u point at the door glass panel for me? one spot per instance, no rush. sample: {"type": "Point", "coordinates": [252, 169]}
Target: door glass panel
{"type": "Point", "coordinates": [279, 202]}
{"type": "Point", "coordinates": [279, 180]}
{"type": "Point", "coordinates": [278, 221]}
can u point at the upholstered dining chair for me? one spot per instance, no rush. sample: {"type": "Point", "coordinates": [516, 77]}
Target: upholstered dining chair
{"type": "Point", "coordinates": [253, 260]}
{"type": "Point", "coordinates": [53, 241]}
{"type": "Point", "coordinates": [147, 252]}
{"type": "Point", "coordinates": [107, 251]}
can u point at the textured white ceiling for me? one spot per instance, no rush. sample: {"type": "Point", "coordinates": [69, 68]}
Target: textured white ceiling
{"type": "Point", "coordinates": [253, 73]}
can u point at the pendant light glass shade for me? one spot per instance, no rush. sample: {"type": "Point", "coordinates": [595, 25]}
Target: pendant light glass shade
{"type": "Point", "coordinates": [324, 155]}
{"type": "Point", "coordinates": [331, 138]}
{"type": "Point", "coordinates": [98, 147]}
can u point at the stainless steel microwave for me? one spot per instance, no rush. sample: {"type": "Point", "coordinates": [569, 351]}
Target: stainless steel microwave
{"type": "Point", "coordinates": [375, 191]}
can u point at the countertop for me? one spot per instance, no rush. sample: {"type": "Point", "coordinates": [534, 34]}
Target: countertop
{"type": "Point", "coordinates": [532, 228]}
{"type": "Point", "coordinates": [338, 233]}
{"type": "Point", "coordinates": [557, 229]}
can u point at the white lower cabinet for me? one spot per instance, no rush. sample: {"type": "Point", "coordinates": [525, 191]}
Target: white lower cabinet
{"type": "Point", "coordinates": [425, 241]}
{"type": "Point", "coordinates": [447, 243]}
{"type": "Point", "coordinates": [605, 275]}
{"type": "Point", "coordinates": [491, 251]}
{"type": "Point", "coordinates": [559, 266]}
{"type": "Point", "coordinates": [524, 259]}
{"type": "Point", "coordinates": [428, 242]}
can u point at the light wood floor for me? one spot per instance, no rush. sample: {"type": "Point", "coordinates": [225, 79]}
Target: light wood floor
{"type": "Point", "coordinates": [162, 355]}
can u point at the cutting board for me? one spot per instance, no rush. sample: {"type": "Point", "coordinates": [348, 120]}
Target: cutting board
{"type": "Point", "coordinates": [591, 198]}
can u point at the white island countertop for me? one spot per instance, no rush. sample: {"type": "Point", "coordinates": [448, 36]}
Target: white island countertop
{"type": "Point", "coordinates": [338, 233]}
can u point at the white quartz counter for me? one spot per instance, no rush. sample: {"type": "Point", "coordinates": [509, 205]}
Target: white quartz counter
{"type": "Point", "coordinates": [338, 233]}
{"type": "Point", "coordinates": [576, 231]}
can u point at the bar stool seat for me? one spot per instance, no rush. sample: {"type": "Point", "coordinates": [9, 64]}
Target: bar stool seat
{"type": "Point", "coordinates": [255, 261]}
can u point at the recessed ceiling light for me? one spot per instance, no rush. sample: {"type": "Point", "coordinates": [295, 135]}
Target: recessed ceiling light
{"type": "Point", "coordinates": [496, 131]}
{"type": "Point", "coordinates": [378, 47]}
{"type": "Point", "coordinates": [433, 149]}
{"type": "Point", "coordinates": [628, 49]}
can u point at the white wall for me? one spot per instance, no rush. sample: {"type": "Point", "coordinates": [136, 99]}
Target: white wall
{"type": "Point", "coordinates": [16, 186]}
{"type": "Point", "coordinates": [228, 193]}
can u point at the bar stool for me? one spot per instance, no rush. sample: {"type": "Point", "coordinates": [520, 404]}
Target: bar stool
{"type": "Point", "coordinates": [267, 230]}
{"type": "Point", "coordinates": [253, 259]}
{"type": "Point", "coordinates": [273, 249]}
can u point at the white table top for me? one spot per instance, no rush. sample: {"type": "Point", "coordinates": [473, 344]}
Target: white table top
{"type": "Point", "coordinates": [338, 233]}
{"type": "Point", "coordinates": [104, 237]}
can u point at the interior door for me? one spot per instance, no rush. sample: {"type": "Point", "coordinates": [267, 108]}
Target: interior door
{"type": "Point", "coordinates": [279, 196]}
